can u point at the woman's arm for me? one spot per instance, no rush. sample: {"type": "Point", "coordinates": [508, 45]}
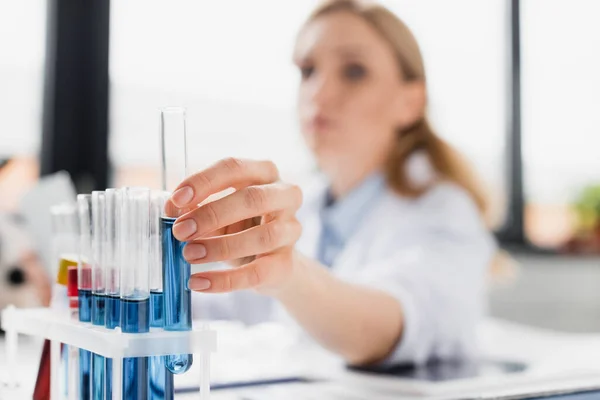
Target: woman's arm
{"type": "Point", "coordinates": [429, 292]}
{"type": "Point", "coordinates": [361, 324]}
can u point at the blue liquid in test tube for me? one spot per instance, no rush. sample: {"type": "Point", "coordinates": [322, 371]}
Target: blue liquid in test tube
{"type": "Point", "coordinates": [84, 374]}
{"type": "Point", "coordinates": [178, 297]}
{"type": "Point", "coordinates": [136, 319]}
{"type": "Point", "coordinates": [98, 309]}
{"type": "Point", "coordinates": [157, 317]}
{"type": "Point", "coordinates": [160, 380]}
{"type": "Point", "coordinates": [84, 285]}
{"type": "Point", "coordinates": [85, 305]}
{"type": "Point", "coordinates": [113, 319]}
{"type": "Point", "coordinates": [113, 311]}
{"type": "Point", "coordinates": [98, 371]}
{"type": "Point", "coordinates": [176, 270]}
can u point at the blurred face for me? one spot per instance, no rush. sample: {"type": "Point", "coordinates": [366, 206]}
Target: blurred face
{"type": "Point", "coordinates": [352, 97]}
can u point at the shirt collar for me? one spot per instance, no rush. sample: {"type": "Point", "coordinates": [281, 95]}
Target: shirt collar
{"type": "Point", "coordinates": [343, 216]}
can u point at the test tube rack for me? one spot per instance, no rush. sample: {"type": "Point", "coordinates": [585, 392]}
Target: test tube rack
{"type": "Point", "coordinates": [58, 328]}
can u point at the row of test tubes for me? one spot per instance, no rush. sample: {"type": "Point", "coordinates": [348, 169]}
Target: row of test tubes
{"type": "Point", "coordinates": [122, 236]}
{"type": "Point", "coordinates": [132, 275]}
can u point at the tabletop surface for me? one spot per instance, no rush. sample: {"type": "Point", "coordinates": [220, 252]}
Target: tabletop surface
{"type": "Point", "coordinates": [246, 354]}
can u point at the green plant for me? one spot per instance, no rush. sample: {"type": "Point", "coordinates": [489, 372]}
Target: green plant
{"type": "Point", "coordinates": [587, 208]}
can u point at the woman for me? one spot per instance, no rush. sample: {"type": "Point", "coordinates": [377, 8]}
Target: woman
{"type": "Point", "coordinates": [391, 263]}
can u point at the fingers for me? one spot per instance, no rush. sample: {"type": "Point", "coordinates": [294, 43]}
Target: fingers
{"type": "Point", "coordinates": [230, 172]}
{"type": "Point", "coordinates": [265, 271]}
{"type": "Point", "coordinates": [254, 241]}
{"type": "Point", "coordinates": [172, 211]}
{"type": "Point", "coordinates": [246, 203]}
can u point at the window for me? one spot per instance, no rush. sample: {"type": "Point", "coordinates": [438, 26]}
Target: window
{"type": "Point", "coordinates": [561, 118]}
{"type": "Point", "coordinates": [22, 40]}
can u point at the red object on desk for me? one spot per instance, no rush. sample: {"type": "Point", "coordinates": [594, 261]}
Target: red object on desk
{"type": "Point", "coordinates": [42, 383]}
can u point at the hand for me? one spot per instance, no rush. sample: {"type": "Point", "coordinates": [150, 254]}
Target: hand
{"type": "Point", "coordinates": [254, 228]}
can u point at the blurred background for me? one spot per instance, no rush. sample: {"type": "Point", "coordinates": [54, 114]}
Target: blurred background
{"type": "Point", "coordinates": [514, 84]}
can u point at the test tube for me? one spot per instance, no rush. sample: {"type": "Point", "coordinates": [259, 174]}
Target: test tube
{"type": "Point", "coordinates": [98, 261]}
{"type": "Point", "coordinates": [73, 358]}
{"type": "Point", "coordinates": [65, 228]}
{"type": "Point", "coordinates": [84, 275]}
{"type": "Point", "coordinates": [157, 318]}
{"type": "Point", "coordinates": [111, 271]}
{"type": "Point", "coordinates": [160, 380]}
{"type": "Point", "coordinates": [98, 286]}
{"type": "Point", "coordinates": [84, 286]}
{"type": "Point", "coordinates": [64, 238]}
{"type": "Point", "coordinates": [113, 222]}
{"type": "Point", "coordinates": [176, 270]}
{"type": "Point", "coordinates": [173, 145]}
{"type": "Point", "coordinates": [135, 286]}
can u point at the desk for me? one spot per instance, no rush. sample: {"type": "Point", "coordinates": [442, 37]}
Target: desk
{"type": "Point", "coordinates": [269, 351]}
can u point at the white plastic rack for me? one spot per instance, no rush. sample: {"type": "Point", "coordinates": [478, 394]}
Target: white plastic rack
{"type": "Point", "coordinates": [58, 328]}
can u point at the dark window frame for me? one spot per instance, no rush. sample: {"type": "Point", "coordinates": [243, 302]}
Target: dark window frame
{"type": "Point", "coordinates": [76, 85]}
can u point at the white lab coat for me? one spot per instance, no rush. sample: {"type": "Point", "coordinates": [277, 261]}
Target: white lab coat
{"type": "Point", "coordinates": [431, 254]}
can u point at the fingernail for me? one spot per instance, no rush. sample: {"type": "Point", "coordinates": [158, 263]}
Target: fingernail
{"type": "Point", "coordinates": [182, 196]}
{"type": "Point", "coordinates": [198, 283]}
{"type": "Point", "coordinates": [194, 251]}
{"type": "Point", "coordinates": [184, 229]}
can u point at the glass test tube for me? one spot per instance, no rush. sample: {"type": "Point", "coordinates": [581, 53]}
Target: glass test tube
{"type": "Point", "coordinates": [98, 286]}
{"type": "Point", "coordinates": [158, 201]}
{"type": "Point", "coordinates": [64, 239]}
{"type": "Point", "coordinates": [84, 274]}
{"type": "Point", "coordinates": [135, 286]}
{"type": "Point", "coordinates": [111, 271]}
{"type": "Point", "coordinates": [176, 270]}
{"type": "Point", "coordinates": [98, 260]}
{"type": "Point", "coordinates": [65, 228]}
{"type": "Point", "coordinates": [84, 286]}
{"type": "Point", "coordinates": [73, 359]}
{"type": "Point", "coordinates": [112, 254]}
{"type": "Point", "coordinates": [160, 380]}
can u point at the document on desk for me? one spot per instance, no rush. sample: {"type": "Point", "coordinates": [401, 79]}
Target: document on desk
{"type": "Point", "coordinates": [338, 391]}
{"type": "Point", "coordinates": [312, 391]}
